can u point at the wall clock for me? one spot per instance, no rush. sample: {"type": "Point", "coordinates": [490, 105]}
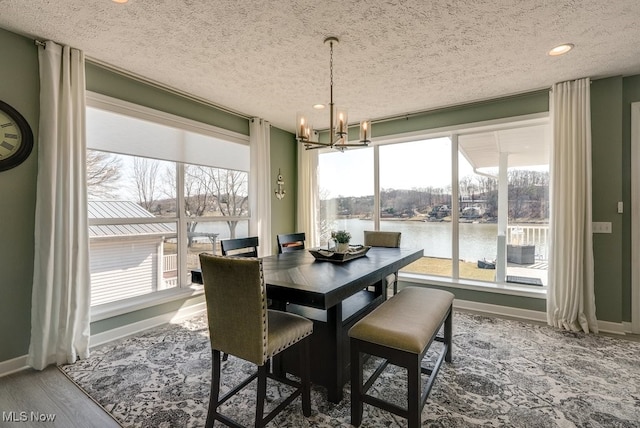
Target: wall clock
{"type": "Point", "coordinates": [16, 138]}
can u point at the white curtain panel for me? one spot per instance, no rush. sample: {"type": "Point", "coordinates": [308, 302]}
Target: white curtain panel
{"type": "Point", "coordinates": [61, 280]}
{"type": "Point", "coordinates": [571, 298]}
{"type": "Point", "coordinates": [260, 184]}
{"type": "Point", "coordinates": [308, 199]}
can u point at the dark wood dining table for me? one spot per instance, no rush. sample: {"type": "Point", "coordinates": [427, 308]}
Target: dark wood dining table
{"type": "Point", "coordinates": [335, 296]}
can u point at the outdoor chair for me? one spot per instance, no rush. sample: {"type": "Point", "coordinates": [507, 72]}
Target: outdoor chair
{"type": "Point", "coordinates": [384, 239]}
{"type": "Point", "coordinates": [291, 242]}
{"type": "Point", "coordinates": [241, 325]}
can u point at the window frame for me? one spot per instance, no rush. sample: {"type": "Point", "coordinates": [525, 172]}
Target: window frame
{"type": "Point", "coordinates": [453, 132]}
{"type": "Point", "coordinates": [184, 289]}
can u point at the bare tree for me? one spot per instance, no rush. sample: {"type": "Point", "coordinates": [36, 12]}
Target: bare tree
{"type": "Point", "coordinates": [145, 173]}
{"type": "Point", "coordinates": [197, 196]}
{"type": "Point", "coordinates": [230, 190]}
{"type": "Point", "coordinates": [103, 173]}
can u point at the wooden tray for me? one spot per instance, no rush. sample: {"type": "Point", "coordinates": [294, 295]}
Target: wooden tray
{"type": "Point", "coordinates": [325, 255]}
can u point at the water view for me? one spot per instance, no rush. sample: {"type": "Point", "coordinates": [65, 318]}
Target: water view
{"type": "Point", "coordinates": [479, 239]}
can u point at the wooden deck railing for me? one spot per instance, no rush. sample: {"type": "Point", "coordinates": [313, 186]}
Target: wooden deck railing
{"type": "Point", "coordinates": [537, 235]}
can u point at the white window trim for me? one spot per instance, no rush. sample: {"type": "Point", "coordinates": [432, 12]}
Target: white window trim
{"type": "Point", "coordinates": [465, 284]}
{"type": "Point", "coordinates": [125, 306]}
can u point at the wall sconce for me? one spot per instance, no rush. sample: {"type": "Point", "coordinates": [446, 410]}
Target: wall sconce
{"type": "Point", "coordinates": [280, 192]}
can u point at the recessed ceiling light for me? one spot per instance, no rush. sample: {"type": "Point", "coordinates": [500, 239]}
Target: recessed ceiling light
{"type": "Point", "coordinates": [318, 106]}
{"type": "Point", "coordinates": [120, 1]}
{"type": "Point", "coordinates": [561, 49]}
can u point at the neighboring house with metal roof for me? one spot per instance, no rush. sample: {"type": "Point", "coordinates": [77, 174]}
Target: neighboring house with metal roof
{"type": "Point", "coordinates": [126, 254]}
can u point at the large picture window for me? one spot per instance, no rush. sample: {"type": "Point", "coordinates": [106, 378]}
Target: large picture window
{"type": "Point", "coordinates": [476, 200]}
{"type": "Point", "coordinates": [161, 190]}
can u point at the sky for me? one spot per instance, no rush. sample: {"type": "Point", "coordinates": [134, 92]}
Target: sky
{"type": "Point", "coordinates": [418, 164]}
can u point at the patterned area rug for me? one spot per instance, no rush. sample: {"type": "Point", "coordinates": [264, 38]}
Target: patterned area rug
{"type": "Point", "coordinates": [504, 373]}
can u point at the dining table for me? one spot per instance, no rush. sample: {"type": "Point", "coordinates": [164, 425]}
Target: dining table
{"type": "Point", "coordinates": [334, 295]}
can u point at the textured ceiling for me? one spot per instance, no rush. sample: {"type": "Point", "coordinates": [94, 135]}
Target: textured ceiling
{"type": "Point", "coordinates": [267, 58]}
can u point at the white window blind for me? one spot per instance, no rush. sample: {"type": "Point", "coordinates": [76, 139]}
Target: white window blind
{"type": "Point", "coordinates": [121, 127]}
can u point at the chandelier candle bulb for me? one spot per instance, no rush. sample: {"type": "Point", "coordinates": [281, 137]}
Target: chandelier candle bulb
{"type": "Point", "coordinates": [342, 122]}
{"type": "Point", "coordinates": [365, 131]}
{"type": "Point", "coordinates": [302, 125]}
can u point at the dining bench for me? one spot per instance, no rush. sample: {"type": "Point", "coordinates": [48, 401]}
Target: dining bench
{"type": "Point", "coordinates": [401, 331]}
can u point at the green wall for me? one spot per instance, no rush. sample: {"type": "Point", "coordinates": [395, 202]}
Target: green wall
{"type": "Point", "coordinates": [606, 143]}
{"type": "Point", "coordinates": [611, 100]}
{"type": "Point", "coordinates": [284, 157]}
{"type": "Point", "coordinates": [19, 87]}
{"type": "Point", "coordinates": [630, 94]}
{"type": "Point", "coordinates": [517, 105]}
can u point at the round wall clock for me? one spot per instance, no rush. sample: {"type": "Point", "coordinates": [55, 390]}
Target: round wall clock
{"type": "Point", "coordinates": [16, 138]}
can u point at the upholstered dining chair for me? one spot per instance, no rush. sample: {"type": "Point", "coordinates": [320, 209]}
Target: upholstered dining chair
{"type": "Point", "coordinates": [240, 247]}
{"type": "Point", "coordinates": [385, 239]}
{"type": "Point", "coordinates": [241, 325]}
{"type": "Point", "coordinates": [291, 242]}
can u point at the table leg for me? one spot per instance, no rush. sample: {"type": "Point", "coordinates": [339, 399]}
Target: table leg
{"type": "Point", "coordinates": [334, 324]}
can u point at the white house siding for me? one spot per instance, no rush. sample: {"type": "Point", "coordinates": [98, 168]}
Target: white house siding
{"type": "Point", "coordinates": [123, 268]}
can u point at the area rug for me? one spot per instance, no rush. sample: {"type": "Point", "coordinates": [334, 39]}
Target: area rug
{"type": "Point", "coordinates": [505, 373]}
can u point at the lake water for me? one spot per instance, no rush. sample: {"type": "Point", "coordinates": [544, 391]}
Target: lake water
{"type": "Point", "coordinates": [477, 240]}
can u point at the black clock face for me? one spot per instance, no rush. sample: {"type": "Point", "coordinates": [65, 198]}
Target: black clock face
{"type": "Point", "coordinates": [16, 138]}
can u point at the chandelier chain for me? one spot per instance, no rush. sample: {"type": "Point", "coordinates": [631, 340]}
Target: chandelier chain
{"type": "Point", "coordinates": [331, 64]}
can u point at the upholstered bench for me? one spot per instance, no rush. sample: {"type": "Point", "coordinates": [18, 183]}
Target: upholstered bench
{"type": "Point", "coordinates": [401, 331]}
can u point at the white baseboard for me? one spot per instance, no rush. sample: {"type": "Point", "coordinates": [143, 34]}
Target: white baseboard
{"type": "Point", "coordinates": [611, 327]}
{"type": "Point", "coordinates": [140, 326]}
{"type": "Point", "coordinates": [529, 315]}
{"type": "Point", "coordinates": [14, 365]}
{"type": "Point", "coordinates": [628, 327]}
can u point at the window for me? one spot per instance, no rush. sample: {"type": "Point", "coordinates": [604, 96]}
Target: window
{"type": "Point", "coordinates": [346, 192]}
{"type": "Point", "coordinates": [161, 189]}
{"type": "Point", "coordinates": [480, 215]}
{"type": "Point", "coordinates": [415, 199]}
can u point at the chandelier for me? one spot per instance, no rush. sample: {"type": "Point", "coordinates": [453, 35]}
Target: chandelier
{"type": "Point", "coordinates": [338, 124]}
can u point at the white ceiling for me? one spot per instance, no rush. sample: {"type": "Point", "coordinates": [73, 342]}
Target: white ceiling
{"type": "Point", "coordinates": [267, 58]}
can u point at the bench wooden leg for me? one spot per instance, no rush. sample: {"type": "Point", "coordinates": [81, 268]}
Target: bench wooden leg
{"type": "Point", "coordinates": [414, 407]}
{"type": "Point", "coordinates": [356, 386]}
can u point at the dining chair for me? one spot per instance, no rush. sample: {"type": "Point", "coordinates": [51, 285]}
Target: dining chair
{"type": "Point", "coordinates": [380, 238]}
{"type": "Point", "coordinates": [240, 247]}
{"type": "Point", "coordinates": [291, 242]}
{"type": "Point", "coordinates": [241, 325]}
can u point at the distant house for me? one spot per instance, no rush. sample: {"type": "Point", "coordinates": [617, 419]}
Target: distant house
{"type": "Point", "coordinates": [126, 259]}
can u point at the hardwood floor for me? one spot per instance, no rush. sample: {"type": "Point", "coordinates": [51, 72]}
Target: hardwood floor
{"type": "Point", "coordinates": [30, 398]}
